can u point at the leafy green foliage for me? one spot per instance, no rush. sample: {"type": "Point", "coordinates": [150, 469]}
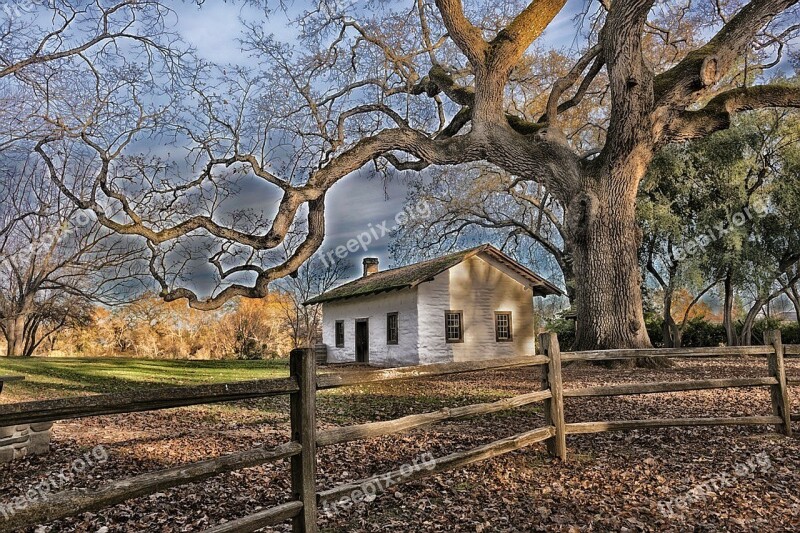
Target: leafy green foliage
{"type": "Point", "coordinates": [565, 329]}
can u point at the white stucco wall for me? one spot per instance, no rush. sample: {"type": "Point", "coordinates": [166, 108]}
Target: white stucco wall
{"type": "Point", "coordinates": [375, 309]}
{"type": "Point", "coordinates": [478, 289]}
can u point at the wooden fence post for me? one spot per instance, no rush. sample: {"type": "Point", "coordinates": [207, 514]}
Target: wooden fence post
{"type": "Point", "coordinates": [554, 407]}
{"type": "Point", "coordinates": [303, 367]}
{"type": "Point", "coordinates": [781, 404]}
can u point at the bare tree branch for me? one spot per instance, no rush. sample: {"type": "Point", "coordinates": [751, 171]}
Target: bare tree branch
{"type": "Point", "coordinates": [717, 114]}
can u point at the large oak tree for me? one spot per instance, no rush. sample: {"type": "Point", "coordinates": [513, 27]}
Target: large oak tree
{"type": "Point", "coordinates": [425, 85]}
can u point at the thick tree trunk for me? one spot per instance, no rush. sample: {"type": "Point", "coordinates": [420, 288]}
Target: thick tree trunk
{"type": "Point", "coordinates": [606, 243]}
{"type": "Point", "coordinates": [606, 240]}
{"type": "Point", "coordinates": [15, 336]}
{"type": "Point", "coordinates": [601, 223]}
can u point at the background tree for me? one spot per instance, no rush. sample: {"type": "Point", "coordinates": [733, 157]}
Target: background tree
{"type": "Point", "coordinates": [312, 279]}
{"type": "Point", "coordinates": [686, 203]}
{"type": "Point", "coordinates": [255, 329]}
{"type": "Point", "coordinates": [150, 328]}
{"type": "Point", "coordinates": [30, 42]}
{"type": "Point", "coordinates": [724, 223]}
{"type": "Point", "coordinates": [56, 262]}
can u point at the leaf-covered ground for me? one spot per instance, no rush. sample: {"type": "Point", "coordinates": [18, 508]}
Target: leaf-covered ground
{"type": "Point", "coordinates": [612, 482]}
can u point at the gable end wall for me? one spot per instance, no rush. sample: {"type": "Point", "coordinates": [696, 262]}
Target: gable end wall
{"type": "Point", "coordinates": [477, 289]}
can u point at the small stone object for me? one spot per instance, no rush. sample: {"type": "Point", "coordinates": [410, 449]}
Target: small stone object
{"type": "Point", "coordinates": [6, 455]}
{"type": "Point", "coordinates": [19, 441]}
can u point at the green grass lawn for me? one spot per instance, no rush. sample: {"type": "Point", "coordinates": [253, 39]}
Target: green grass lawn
{"type": "Point", "coordinates": [57, 377]}
{"type": "Point", "coordinates": [54, 377]}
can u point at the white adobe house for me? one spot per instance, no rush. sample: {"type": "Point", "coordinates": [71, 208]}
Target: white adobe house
{"type": "Point", "coordinates": [470, 305]}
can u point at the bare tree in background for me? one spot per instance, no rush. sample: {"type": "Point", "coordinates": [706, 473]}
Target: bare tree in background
{"type": "Point", "coordinates": [33, 35]}
{"type": "Point", "coordinates": [56, 262]}
{"type": "Point", "coordinates": [312, 279]}
{"type": "Point", "coordinates": [414, 86]}
{"type": "Point", "coordinates": [477, 204]}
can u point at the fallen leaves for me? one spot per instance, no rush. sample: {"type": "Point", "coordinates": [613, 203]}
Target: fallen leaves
{"type": "Point", "coordinates": [612, 482]}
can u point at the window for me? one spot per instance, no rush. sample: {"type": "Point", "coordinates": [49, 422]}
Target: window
{"type": "Point", "coordinates": [502, 326]}
{"type": "Point", "coordinates": [340, 333]}
{"type": "Point", "coordinates": [454, 326]}
{"type": "Point", "coordinates": [392, 328]}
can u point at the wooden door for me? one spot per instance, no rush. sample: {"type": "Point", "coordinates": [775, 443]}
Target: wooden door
{"type": "Point", "coordinates": [362, 341]}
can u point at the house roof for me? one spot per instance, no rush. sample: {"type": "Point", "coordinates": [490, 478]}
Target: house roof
{"type": "Point", "coordinates": [412, 275]}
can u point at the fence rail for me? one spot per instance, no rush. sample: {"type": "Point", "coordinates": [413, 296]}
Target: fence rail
{"type": "Point", "coordinates": [668, 386]}
{"type": "Point", "coordinates": [303, 384]}
{"type": "Point", "coordinates": [619, 425]}
{"type": "Point", "coordinates": [615, 355]}
{"type": "Point", "coordinates": [365, 377]}
{"type": "Point", "coordinates": [133, 402]}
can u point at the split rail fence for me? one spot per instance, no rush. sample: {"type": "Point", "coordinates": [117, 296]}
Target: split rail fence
{"type": "Point", "coordinates": [302, 386]}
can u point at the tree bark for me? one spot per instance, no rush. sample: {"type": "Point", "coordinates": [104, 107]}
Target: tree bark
{"type": "Point", "coordinates": [602, 222]}
{"type": "Point", "coordinates": [15, 336]}
{"type": "Point", "coordinates": [605, 240]}
{"type": "Point", "coordinates": [730, 328]}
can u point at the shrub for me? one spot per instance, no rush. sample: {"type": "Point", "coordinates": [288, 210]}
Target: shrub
{"type": "Point", "coordinates": [565, 329]}
{"type": "Point", "coordinates": [701, 333]}
{"type": "Point", "coordinates": [654, 324]}
{"type": "Point", "coordinates": [790, 331]}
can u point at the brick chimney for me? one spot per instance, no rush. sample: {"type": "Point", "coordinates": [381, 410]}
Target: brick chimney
{"type": "Point", "coordinates": [370, 266]}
